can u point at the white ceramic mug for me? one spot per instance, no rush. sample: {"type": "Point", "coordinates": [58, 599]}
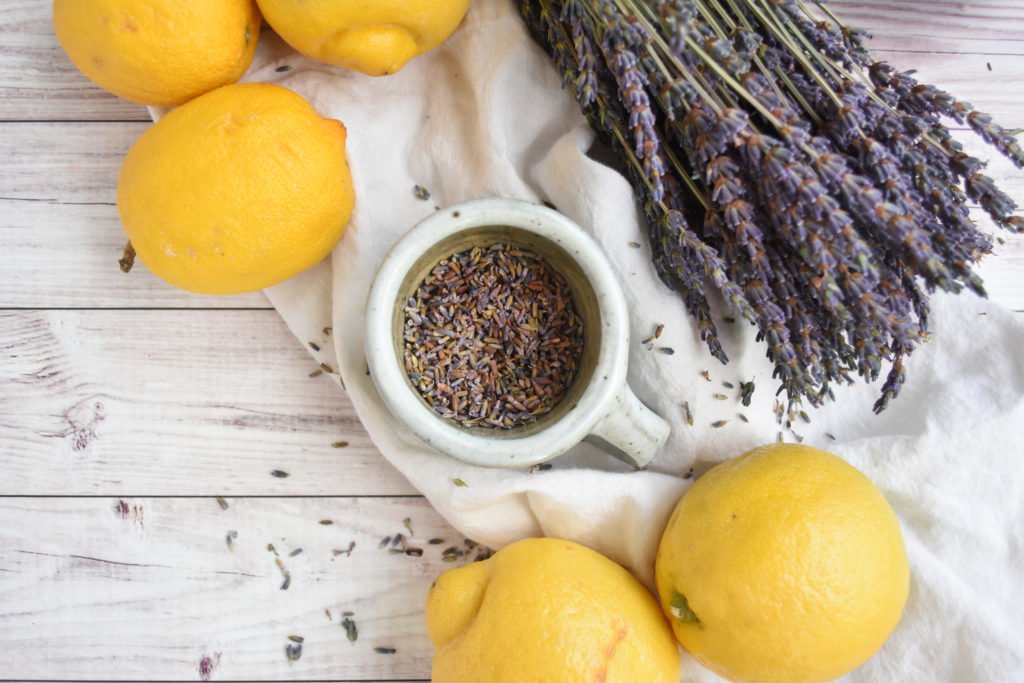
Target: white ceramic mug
{"type": "Point", "coordinates": [598, 407]}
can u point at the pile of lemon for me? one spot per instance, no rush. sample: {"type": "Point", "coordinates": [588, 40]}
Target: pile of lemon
{"type": "Point", "coordinates": [240, 186]}
{"type": "Point", "coordinates": [784, 565]}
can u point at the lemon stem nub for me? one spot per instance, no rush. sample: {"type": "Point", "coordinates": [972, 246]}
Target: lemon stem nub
{"type": "Point", "coordinates": [128, 259]}
{"type": "Point", "coordinates": [681, 609]}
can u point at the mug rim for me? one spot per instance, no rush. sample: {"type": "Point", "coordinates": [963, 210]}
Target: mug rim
{"type": "Point", "coordinates": [407, 406]}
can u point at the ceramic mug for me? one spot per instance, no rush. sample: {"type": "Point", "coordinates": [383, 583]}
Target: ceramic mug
{"type": "Point", "coordinates": [598, 407]}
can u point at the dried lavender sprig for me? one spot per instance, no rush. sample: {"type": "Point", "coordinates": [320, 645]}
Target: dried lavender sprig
{"type": "Point", "coordinates": [997, 136]}
{"type": "Point", "coordinates": [911, 164]}
{"type": "Point", "coordinates": [618, 44]}
{"type": "Point", "coordinates": [779, 348]}
{"type": "Point", "coordinates": [853, 38]}
{"type": "Point", "coordinates": [907, 225]}
{"type": "Point", "coordinates": [676, 246]}
{"type": "Point", "coordinates": [931, 103]}
{"type": "Point", "coordinates": [672, 259]}
{"type": "Point", "coordinates": [585, 84]}
{"type": "Point", "coordinates": [768, 329]}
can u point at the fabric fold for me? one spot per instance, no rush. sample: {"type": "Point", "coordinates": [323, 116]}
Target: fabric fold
{"type": "Point", "coordinates": [484, 115]}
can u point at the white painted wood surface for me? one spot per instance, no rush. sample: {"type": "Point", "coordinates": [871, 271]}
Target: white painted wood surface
{"type": "Point", "coordinates": [123, 402]}
{"type": "Point", "coordinates": [137, 588]}
{"type": "Point", "coordinates": [174, 402]}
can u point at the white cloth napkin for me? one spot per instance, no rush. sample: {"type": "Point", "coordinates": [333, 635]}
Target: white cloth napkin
{"type": "Point", "coordinates": [484, 115]}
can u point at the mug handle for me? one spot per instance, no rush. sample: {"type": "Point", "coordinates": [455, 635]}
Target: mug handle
{"type": "Point", "coordinates": [631, 432]}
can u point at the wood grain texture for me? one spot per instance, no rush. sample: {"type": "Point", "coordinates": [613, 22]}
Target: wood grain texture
{"type": "Point", "coordinates": [134, 588]}
{"type": "Point", "coordinates": [60, 229]}
{"type": "Point", "coordinates": [174, 403]}
{"type": "Point", "coordinates": [39, 82]}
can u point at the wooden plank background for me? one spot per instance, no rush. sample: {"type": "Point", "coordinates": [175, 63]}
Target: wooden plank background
{"type": "Point", "coordinates": [126, 406]}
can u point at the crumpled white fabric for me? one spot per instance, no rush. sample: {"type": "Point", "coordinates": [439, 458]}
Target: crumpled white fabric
{"type": "Point", "coordinates": [484, 115]}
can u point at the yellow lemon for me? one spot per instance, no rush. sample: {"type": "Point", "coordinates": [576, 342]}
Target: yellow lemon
{"type": "Point", "coordinates": [785, 564]}
{"type": "Point", "coordinates": [160, 52]}
{"type": "Point", "coordinates": [237, 190]}
{"type": "Point", "coordinates": [545, 610]}
{"type": "Point", "coordinates": [377, 37]}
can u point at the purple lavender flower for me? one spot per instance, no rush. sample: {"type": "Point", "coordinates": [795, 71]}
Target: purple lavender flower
{"type": "Point", "coordinates": [829, 197]}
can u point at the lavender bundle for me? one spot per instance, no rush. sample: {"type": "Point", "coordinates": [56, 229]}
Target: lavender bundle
{"type": "Point", "coordinates": [816, 189]}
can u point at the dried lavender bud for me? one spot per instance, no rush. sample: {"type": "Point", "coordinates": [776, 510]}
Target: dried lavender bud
{"type": "Point", "coordinates": [351, 630]}
{"type": "Point", "coordinates": [746, 392]}
{"type": "Point", "coordinates": [687, 414]}
{"type": "Point", "coordinates": [127, 260]}
{"type": "Point", "coordinates": [492, 338]}
{"type": "Point", "coordinates": [284, 573]}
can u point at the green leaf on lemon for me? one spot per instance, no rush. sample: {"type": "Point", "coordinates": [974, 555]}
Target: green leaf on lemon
{"type": "Point", "coordinates": [681, 609]}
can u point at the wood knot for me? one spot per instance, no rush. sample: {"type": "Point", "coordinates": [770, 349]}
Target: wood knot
{"type": "Point", "coordinates": [82, 419]}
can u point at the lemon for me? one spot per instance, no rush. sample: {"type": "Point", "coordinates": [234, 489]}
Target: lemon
{"type": "Point", "coordinates": [237, 190]}
{"type": "Point", "coordinates": [785, 564]}
{"type": "Point", "coordinates": [376, 38]}
{"type": "Point", "coordinates": [545, 610]}
{"type": "Point", "coordinates": [159, 52]}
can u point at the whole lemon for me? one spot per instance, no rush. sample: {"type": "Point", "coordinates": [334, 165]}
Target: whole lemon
{"type": "Point", "coordinates": [545, 610]}
{"type": "Point", "coordinates": [376, 38]}
{"type": "Point", "coordinates": [159, 52]}
{"type": "Point", "coordinates": [785, 564]}
{"type": "Point", "coordinates": [237, 190]}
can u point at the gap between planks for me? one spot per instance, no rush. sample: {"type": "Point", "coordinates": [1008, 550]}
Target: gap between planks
{"type": "Point", "coordinates": [275, 496]}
